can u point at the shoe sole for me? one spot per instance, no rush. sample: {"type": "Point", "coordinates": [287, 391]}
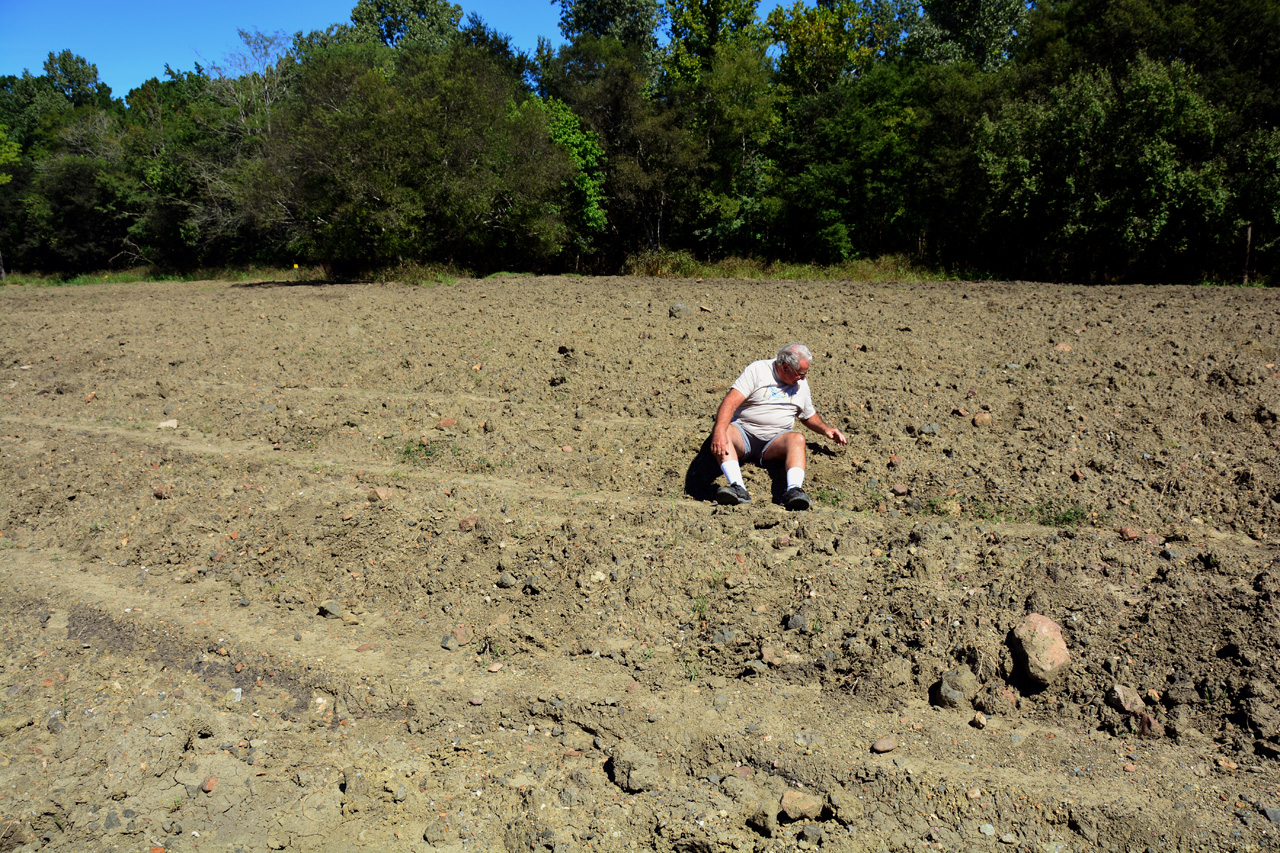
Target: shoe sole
{"type": "Point", "coordinates": [730, 500]}
{"type": "Point", "coordinates": [798, 504]}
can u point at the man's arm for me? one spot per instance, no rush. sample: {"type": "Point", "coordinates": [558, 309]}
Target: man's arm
{"type": "Point", "coordinates": [720, 446]}
{"type": "Point", "coordinates": [815, 423]}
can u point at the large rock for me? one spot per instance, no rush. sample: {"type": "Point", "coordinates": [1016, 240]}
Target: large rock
{"type": "Point", "coordinates": [1040, 649]}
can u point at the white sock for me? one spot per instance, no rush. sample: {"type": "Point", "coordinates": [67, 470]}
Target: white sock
{"type": "Point", "coordinates": [795, 478]}
{"type": "Point", "coordinates": [732, 472]}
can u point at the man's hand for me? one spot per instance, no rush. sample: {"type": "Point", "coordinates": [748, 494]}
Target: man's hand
{"type": "Point", "coordinates": [822, 428]}
{"type": "Point", "coordinates": [720, 444]}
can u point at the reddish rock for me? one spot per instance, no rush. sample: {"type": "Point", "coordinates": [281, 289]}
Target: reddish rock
{"type": "Point", "coordinates": [901, 489]}
{"type": "Point", "coordinates": [1130, 534]}
{"type": "Point", "coordinates": [468, 523]}
{"type": "Point", "coordinates": [883, 745]}
{"type": "Point", "coordinates": [446, 423]}
{"type": "Point", "coordinates": [798, 804]}
{"type": "Point", "coordinates": [381, 494]}
{"type": "Point", "coordinates": [1125, 699]}
{"type": "Point", "coordinates": [209, 784]}
{"type": "Point", "coordinates": [1038, 644]}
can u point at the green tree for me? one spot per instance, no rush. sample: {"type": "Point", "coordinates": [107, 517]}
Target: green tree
{"type": "Point", "coordinates": [633, 22]}
{"type": "Point", "coordinates": [978, 31]}
{"type": "Point", "coordinates": [1109, 177]}
{"type": "Point", "coordinates": [652, 159]}
{"type": "Point", "coordinates": [883, 164]}
{"type": "Point", "coordinates": [426, 24]}
{"type": "Point", "coordinates": [697, 27]}
{"type": "Point", "coordinates": [820, 44]}
{"type": "Point", "coordinates": [8, 155]}
{"type": "Point", "coordinates": [736, 114]}
{"type": "Point", "coordinates": [432, 24]}
{"type": "Point", "coordinates": [442, 160]}
{"type": "Point", "coordinates": [77, 80]}
{"type": "Point", "coordinates": [585, 212]}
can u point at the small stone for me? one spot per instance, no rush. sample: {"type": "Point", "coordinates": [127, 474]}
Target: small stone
{"type": "Point", "coordinates": [446, 423]}
{"type": "Point", "coordinates": [901, 489]}
{"type": "Point", "coordinates": [449, 643]}
{"type": "Point", "coordinates": [1130, 534]}
{"type": "Point", "coordinates": [506, 580]}
{"type": "Point", "coordinates": [169, 424]}
{"type": "Point", "coordinates": [982, 419]}
{"type": "Point", "coordinates": [883, 745]}
{"type": "Point", "coordinates": [679, 310]}
{"type": "Point", "coordinates": [979, 720]}
{"type": "Point", "coordinates": [209, 784]}
{"type": "Point", "coordinates": [1125, 699]}
{"type": "Point", "coordinates": [468, 523]}
{"type": "Point", "coordinates": [380, 494]}
{"type": "Point", "coordinates": [495, 667]}
{"type": "Point", "coordinates": [987, 829]}
{"type": "Point", "coordinates": [331, 609]}
{"type": "Point", "coordinates": [798, 804]}
{"type": "Point", "coordinates": [476, 700]}
{"type": "Point", "coordinates": [1131, 768]}
{"type": "Point", "coordinates": [1272, 815]}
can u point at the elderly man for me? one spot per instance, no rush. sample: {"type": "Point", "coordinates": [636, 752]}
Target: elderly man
{"type": "Point", "coordinates": [755, 419]}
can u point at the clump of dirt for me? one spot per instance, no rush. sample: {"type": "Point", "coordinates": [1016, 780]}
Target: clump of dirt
{"type": "Point", "coordinates": [313, 567]}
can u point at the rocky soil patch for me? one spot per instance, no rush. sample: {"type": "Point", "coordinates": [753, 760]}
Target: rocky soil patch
{"type": "Point", "coordinates": [374, 567]}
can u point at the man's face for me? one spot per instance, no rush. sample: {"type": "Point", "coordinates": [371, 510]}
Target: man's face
{"type": "Point", "coordinates": [793, 377]}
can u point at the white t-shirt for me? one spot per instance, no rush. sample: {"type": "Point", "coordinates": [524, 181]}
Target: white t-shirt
{"type": "Point", "coordinates": [771, 408]}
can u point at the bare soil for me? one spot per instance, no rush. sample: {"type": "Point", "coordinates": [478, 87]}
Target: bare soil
{"type": "Point", "coordinates": [375, 567]}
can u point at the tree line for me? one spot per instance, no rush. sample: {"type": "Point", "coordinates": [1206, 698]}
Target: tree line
{"type": "Point", "coordinates": [1068, 140]}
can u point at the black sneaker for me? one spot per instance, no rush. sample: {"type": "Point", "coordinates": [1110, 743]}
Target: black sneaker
{"type": "Point", "coordinates": [795, 498]}
{"type": "Point", "coordinates": [733, 494]}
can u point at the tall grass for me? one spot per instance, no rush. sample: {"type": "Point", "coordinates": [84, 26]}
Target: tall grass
{"type": "Point", "coordinates": [680, 264]}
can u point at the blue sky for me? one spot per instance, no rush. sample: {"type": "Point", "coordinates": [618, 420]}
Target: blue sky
{"type": "Point", "coordinates": [132, 41]}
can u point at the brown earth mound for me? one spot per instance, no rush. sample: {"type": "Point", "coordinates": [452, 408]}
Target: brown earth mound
{"type": "Point", "coordinates": [300, 567]}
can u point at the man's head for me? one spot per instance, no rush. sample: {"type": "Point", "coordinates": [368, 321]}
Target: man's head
{"type": "Point", "coordinates": [793, 363]}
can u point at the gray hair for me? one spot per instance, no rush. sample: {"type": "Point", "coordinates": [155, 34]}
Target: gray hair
{"type": "Point", "coordinates": [792, 354]}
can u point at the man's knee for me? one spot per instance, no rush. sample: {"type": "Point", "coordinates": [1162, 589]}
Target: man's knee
{"type": "Point", "coordinates": [785, 444]}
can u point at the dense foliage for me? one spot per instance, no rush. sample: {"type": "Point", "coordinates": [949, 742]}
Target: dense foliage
{"type": "Point", "coordinates": [1086, 140]}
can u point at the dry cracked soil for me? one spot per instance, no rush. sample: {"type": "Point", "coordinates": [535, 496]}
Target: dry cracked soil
{"type": "Point", "coordinates": [297, 566]}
